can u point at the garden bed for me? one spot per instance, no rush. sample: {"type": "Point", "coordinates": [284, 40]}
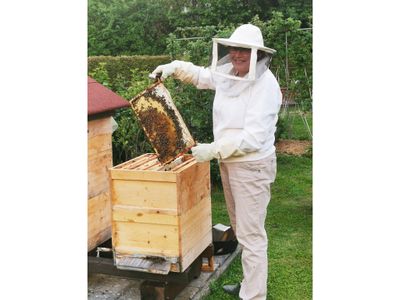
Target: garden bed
{"type": "Point", "coordinates": [293, 147]}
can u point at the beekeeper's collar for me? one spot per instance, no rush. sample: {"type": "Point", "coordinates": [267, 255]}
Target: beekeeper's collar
{"type": "Point", "coordinates": [245, 36]}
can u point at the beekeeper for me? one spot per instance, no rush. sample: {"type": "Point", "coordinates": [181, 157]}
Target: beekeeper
{"type": "Point", "coordinates": [245, 112]}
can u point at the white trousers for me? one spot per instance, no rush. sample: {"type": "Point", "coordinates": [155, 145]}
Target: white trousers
{"type": "Point", "coordinates": [247, 194]}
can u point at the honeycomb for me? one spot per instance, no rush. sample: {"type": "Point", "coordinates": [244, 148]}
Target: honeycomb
{"type": "Point", "coordinates": [162, 123]}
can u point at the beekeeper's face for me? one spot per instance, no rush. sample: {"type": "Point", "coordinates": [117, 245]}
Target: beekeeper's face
{"type": "Point", "coordinates": [240, 58]}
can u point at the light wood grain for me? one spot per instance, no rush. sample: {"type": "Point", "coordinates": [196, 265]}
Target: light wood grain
{"type": "Point", "coordinates": [99, 220]}
{"type": "Point", "coordinates": [99, 127]}
{"type": "Point", "coordinates": [159, 238]}
{"type": "Point", "coordinates": [146, 194]}
{"type": "Point", "coordinates": [127, 213]}
{"type": "Point", "coordinates": [99, 200]}
{"type": "Point", "coordinates": [193, 184]}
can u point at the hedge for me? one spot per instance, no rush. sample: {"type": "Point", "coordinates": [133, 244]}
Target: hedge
{"type": "Point", "coordinates": [123, 65]}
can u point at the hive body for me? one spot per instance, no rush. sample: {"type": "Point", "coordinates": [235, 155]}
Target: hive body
{"type": "Point", "coordinates": [161, 214]}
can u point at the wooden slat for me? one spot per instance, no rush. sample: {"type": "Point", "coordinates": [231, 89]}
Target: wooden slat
{"type": "Point", "coordinates": [149, 265]}
{"type": "Point", "coordinates": [160, 176]}
{"type": "Point", "coordinates": [184, 165]}
{"type": "Point", "coordinates": [128, 162]}
{"type": "Point", "coordinates": [148, 237]}
{"type": "Point", "coordinates": [148, 165]}
{"type": "Point", "coordinates": [127, 250]}
{"type": "Point", "coordinates": [143, 159]}
{"type": "Point", "coordinates": [146, 194]}
{"type": "Point", "coordinates": [99, 220]}
{"type": "Point", "coordinates": [127, 213]}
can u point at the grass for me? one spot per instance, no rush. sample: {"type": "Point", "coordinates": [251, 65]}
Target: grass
{"type": "Point", "coordinates": [289, 228]}
{"type": "Point", "coordinates": [295, 128]}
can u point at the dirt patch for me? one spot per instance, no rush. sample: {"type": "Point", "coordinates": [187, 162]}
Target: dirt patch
{"type": "Point", "coordinates": [293, 147]}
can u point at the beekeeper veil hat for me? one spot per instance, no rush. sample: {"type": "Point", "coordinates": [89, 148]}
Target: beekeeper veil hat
{"type": "Point", "coordinates": [245, 36]}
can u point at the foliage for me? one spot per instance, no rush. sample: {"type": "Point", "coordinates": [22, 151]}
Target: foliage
{"type": "Point", "coordinates": [292, 64]}
{"type": "Point", "coordinates": [281, 127]}
{"type": "Point", "coordinates": [120, 67]}
{"type": "Point", "coordinates": [118, 27]}
{"type": "Point", "coordinates": [138, 27]}
{"type": "Point", "coordinates": [294, 124]}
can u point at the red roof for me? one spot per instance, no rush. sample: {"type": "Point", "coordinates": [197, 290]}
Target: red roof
{"type": "Point", "coordinates": [102, 99]}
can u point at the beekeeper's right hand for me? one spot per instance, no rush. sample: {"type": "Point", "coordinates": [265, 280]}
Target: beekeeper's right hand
{"type": "Point", "coordinates": [182, 70]}
{"type": "Point", "coordinates": [221, 149]}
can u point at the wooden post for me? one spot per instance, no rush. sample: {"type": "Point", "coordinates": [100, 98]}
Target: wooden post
{"type": "Point", "coordinates": [168, 290]}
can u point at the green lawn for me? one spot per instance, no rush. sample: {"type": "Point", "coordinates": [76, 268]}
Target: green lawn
{"type": "Point", "coordinates": [289, 228]}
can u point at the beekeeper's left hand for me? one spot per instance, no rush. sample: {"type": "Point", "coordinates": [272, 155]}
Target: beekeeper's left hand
{"type": "Point", "coordinates": [204, 152]}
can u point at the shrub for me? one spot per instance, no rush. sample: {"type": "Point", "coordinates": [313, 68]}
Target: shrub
{"type": "Point", "coordinates": [119, 68]}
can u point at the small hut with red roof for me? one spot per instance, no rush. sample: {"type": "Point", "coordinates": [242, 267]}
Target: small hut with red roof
{"type": "Point", "coordinates": [102, 102]}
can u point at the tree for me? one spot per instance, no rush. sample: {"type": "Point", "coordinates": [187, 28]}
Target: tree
{"type": "Point", "coordinates": [130, 27]}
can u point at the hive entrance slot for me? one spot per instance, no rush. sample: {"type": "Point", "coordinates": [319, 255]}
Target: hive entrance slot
{"type": "Point", "coordinates": [155, 265]}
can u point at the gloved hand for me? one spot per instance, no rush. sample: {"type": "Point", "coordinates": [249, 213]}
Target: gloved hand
{"type": "Point", "coordinates": [221, 149]}
{"type": "Point", "coordinates": [204, 152]}
{"type": "Point", "coordinates": [184, 71]}
{"type": "Point", "coordinates": [164, 70]}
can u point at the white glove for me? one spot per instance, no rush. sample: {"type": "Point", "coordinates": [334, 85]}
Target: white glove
{"type": "Point", "coordinates": [184, 71]}
{"type": "Point", "coordinates": [204, 152]}
{"type": "Point", "coordinates": [220, 149]}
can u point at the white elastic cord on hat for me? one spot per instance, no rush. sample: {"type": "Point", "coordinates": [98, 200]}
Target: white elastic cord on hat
{"type": "Point", "coordinates": [253, 63]}
{"type": "Point", "coordinates": [214, 56]}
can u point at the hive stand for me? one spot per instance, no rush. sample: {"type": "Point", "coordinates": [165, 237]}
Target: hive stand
{"type": "Point", "coordinates": [155, 286]}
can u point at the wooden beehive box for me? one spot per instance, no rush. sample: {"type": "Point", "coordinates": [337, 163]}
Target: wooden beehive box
{"type": "Point", "coordinates": [99, 161]}
{"type": "Point", "coordinates": [102, 103]}
{"type": "Point", "coordinates": [161, 214]}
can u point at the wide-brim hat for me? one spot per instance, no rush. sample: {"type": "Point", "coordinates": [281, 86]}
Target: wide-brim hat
{"type": "Point", "coordinates": [245, 36]}
{"type": "Point", "coordinates": [233, 43]}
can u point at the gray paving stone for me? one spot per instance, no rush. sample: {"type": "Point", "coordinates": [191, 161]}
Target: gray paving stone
{"type": "Point", "coordinates": [188, 293]}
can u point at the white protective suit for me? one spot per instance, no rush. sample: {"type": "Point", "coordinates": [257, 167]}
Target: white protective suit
{"type": "Point", "coordinates": [245, 113]}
